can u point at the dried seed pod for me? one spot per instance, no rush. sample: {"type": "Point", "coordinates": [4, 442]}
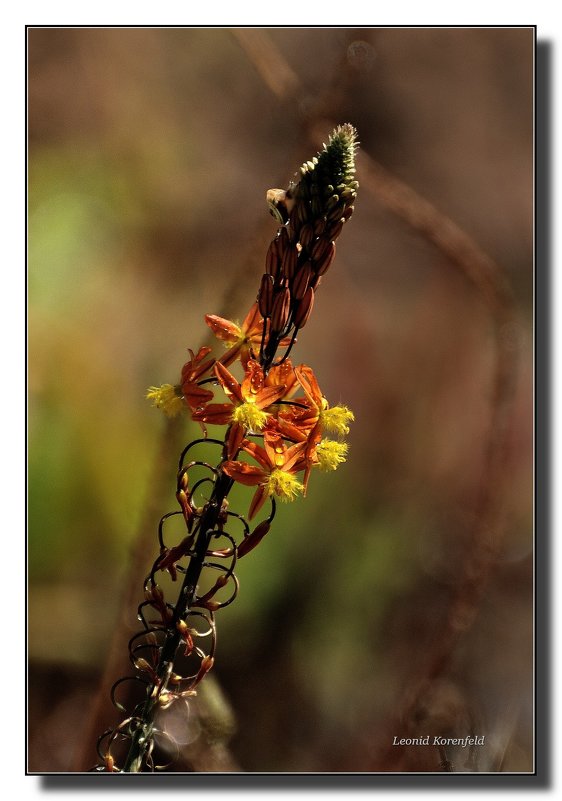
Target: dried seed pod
{"type": "Point", "coordinates": [265, 296]}
{"type": "Point", "coordinates": [304, 308]}
{"type": "Point", "coordinates": [281, 309]}
{"type": "Point", "coordinates": [301, 281]}
{"type": "Point", "coordinates": [321, 265]}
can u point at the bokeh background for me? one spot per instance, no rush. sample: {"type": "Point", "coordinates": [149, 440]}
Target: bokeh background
{"type": "Point", "coordinates": [150, 151]}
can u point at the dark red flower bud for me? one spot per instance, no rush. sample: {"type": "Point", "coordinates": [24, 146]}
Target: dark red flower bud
{"type": "Point", "coordinates": [281, 309]}
{"type": "Point", "coordinates": [321, 266]}
{"type": "Point", "coordinates": [301, 281]}
{"type": "Point", "coordinates": [304, 308]}
{"type": "Point", "coordinates": [320, 248]}
{"type": "Point", "coordinates": [253, 539]}
{"type": "Point", "coordinates": [290, 258]}
{"type": "Point", "coordinates": [265, 296]}
{"type": "Point", "coordinates": [336, 212]}
{"type": "Point", "coordinates": [334, 229]}
{"type": "Point", "coordinates": [272, 260]}
{"type": "Point", "coordinates": [306, 235]}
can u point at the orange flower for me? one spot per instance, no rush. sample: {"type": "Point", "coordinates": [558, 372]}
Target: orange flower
{"type": "Point", "coordinates": [248, 402]}
{"type": "Point", "coordinates": [244, 340]}
{"type": "Point", "coordinates": [191, 372]}
{"type": "Point", "coordinates": [276, 472]}
{"type": "Point", "coordinates": [334, 419]}
{"type": "Point", "coordinates": [307, 421]}
{"type": "Point", "coordinates": [283, 374]}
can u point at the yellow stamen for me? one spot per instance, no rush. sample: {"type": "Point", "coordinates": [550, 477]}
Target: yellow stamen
{"type": "Point", "coordinates": [168, 398]}
{"type": "Point", "coordinates": [336, 419]}
{"type": "Point", "coordinates": [285, 485]}
{"type": "Point", "coordinates": [330, 454]}
{"type": "Point", "coordinates": [249, 416]}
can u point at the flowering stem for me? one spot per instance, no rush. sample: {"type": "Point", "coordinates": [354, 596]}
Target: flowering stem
{"type": "Point", "coordinates": [313, 212]}
{"type": "Point", "coordinates": [141, 739]}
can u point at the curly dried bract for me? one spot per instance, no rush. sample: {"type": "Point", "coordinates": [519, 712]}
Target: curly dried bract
{"type": "Point", "coordinates": [276, 417]}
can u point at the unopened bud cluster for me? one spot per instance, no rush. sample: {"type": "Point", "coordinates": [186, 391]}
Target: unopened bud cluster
{"type": "Point", "coordinates": [313, 213]}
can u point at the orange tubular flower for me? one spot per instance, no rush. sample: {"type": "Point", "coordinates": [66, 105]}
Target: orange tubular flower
{"type": "Point", "coordinates": [245, 339]}
{"type": "Point", "coordinates": [192, 371]}
{"type": "Point", "coordinates": [308, 424]}
{"type": "Point", "coordinates": [248, 402]}
{"type": "Point", "coordinates": [283, 374]}
{"type": "Point", "coordinates": [275, 474]}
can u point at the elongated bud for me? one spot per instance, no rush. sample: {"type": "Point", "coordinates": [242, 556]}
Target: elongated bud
{"type": "Point", "coordinates": [205, 600]}
{"type": "Point", "coordinates": [289, 263]}
{"type": "Point", "coordinates": [334, 229]}
{"type": "Point", "coordinates": [302, 213]}
{"type": "Point", "coordinates": [301, 281]}
{"type": "Point", "coordinates": [281, 309]}
{"type": "Point", "coordinates": [272, 260]}
{"type": "Point", "coordinates": [154, 593]}
{"type": "Point", "coordinates": [141, 664]}
{"type": "Point", "coordinates": [183, 481]}
{"type": "Point", "coordinates": [304, 308]}
{"type": "Point", "coordinates": [182, 627]}
{"type": "Point", "coordinates": [337, 212]}
{"type": "Point", "coordinates": [322, 265]}
{"type": "Point", "coordinates": [320, 248]}
{"type": "Point", "coordinates": [253, 539]}
{"type": "Point", "coordinates": [265, 296]}
{"type": "Point", "coordinates": [322, 199]}
{"type": "Point", "coordinates": [183, 500]}
{"type": "Point", "coordinates": [306, 235]}
{"type": "Point", "coordinates": [206, 664]}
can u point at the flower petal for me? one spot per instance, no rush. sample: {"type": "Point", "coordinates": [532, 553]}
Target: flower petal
{"type": "Point", "coordinates": [195, 395]}
{"type": "Point", "coordinates": [228, 382]}
{"type": "Point", "coordinates": [308, 382]}
{"type": "Point", "coordinates": [225, 330]}
{"type": "Point", "coordinates": [216, 413]}
{"type": "Point", "coordinates": [258, 501]}
{"type": "Point", "coordinates": [258, 453]}
{"type": "Point", "coordinates": [244, 473]}
{"type": "Point", "coordinates": [253, 323]}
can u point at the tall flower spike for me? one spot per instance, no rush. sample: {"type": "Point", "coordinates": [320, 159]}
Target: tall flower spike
{"type": "Point", "coordinates": [273, 441]}
{"type": "Point", "coordinates": [313, 212]}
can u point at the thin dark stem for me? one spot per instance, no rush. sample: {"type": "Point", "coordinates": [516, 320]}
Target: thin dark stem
{"type": "Point", "coordinates": [289, 349]}
{"type": "Point", "coordinates": [142, 736]}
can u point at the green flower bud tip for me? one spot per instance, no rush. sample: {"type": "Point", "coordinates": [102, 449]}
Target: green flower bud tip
{"type": "Point", "coordinates": [334, 166]}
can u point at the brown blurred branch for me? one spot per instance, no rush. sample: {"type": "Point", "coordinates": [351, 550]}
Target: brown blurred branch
{"type": "Point", "coordinates": [493, 288]}
{"type": "Point", "coordinates": [273, 69]}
